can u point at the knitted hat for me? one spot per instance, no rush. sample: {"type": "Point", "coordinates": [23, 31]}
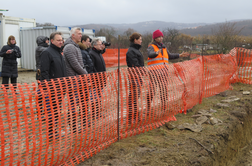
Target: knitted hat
{"type": "Point", "coordinates": [157, 33]}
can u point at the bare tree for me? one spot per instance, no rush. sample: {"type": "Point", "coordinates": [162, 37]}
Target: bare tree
{"type": "Point", "coordinates": [108, 32]}
{"type": "Point", "coordinates": [147, 39]}
{"type": "Point", "coordinates": [172, 39]}
{"type": "Point", "coordinates": [226, 36]}
{"type": "Point", "coordinates": [186, 41]}
{"type": "Point", "coordinates": [128, 32]}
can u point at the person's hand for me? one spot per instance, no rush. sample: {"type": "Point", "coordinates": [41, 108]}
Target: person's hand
{"type": "Point", "coordinates": [184, 54]}
{"type": "Point", "coordinates": [158, 51]}
{"type": "Point", "coordinates": [38, 72]}
{"type": "Point", "coordinates": [9, 51]}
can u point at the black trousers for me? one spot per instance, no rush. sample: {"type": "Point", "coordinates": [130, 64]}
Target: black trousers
{"type": "Point", "coordinates": [6, 80]}
{"type": "Point", "coordinates": [134, 93]}
{"type": "Point", "coordinates": [50, 112]}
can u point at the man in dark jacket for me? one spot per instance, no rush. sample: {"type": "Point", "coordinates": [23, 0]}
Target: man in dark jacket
{"type": "Point", "coordinates": [96, 55]}
{"type": "Point", "coordinates": [99, 64]}
{"type": "Point", "coordinates": [52, 66]}
{"type": "Point", "coordinates": [84, 46]}
{"type": "Point", "coordinates": [52, 62]}
{"type": "Point", "coordinates": [42, 42]}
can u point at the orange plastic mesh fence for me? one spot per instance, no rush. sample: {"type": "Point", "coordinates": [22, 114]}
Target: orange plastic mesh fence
{"type": "Point", "coordinates": [191, 73]}
{"type": "Point", "coordinates": [218, 70]}
{"type": "Point", "coordinates": [244, 65]}
{"type": "Point", "coordinates": [59, 121]}
{"type": "Point", "coordinates": [67, 120]}
{"type": "Point", "coordinates": [111, 57]}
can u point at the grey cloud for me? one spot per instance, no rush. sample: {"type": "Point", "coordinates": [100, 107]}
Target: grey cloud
{"type": "Point", "coordinates": [65, 12]}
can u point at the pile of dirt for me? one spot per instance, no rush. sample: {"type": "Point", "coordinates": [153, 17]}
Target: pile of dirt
{"type": "Point", "coordinates": [220, 142]}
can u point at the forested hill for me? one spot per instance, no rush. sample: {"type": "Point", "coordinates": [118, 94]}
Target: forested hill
{"type": "Point", "coordinates": [192, 29]}
{"type": "Point", "coordinates": [245, 27]}
{"type": "Point", "coordinates": [142, 27]}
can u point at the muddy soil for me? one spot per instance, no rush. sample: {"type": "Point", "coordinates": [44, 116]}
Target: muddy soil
{"type": "Point", "coordinates": [227, 143]}
{"type": "Point", "coordinates": [25, 76]}
{"type": "Point", "coordinates": [29, 76]}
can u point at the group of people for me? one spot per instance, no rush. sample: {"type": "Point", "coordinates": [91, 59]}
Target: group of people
{"type": "Point", "coordinates": [158, 54]}
{"type": "Point", "coordinates": [76, 56]}
{"type": "Point", "coordinates": [79, 55]}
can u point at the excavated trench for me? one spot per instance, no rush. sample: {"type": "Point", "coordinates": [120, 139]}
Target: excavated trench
{"type": "Point", "coordinates": [235, 143]}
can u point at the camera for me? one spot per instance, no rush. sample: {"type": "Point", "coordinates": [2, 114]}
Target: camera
{"type": "Point", "coordinates": [16, 53]}
{"type": "Point", "coordinates": [106, 43]}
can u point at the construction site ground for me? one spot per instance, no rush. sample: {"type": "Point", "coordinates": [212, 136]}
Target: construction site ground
{"type": "Point", "coordinates": [225, 143]}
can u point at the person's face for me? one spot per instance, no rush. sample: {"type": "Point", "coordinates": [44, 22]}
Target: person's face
{"type": "Point", "coordinates": [159, 39]}
{"type": "Point", "coordinates": [87, 42]}
{"type": "Point", "coordinates": [103, 46]}
{"type": "Point", "coordinates": [138, 41]}
{"type": "Point", "coordinates": [57, 41]}
{"type": "Point", "coordinates": [77, 36]}
{"type": "Point", "coordinates": [47, 41]}
{"type": "Point", "coordinates": [12, 41]}
{"type": "Point", "coordinates": [63, 42]}
{"type": "Point", "coordinates": [98, 46]}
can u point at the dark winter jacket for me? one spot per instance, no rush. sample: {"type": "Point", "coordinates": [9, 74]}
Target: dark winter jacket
{"type": "Point", "coordinates": [152, 53]}
{"type": "Point", "coordinates": [88, 50]}
{"type": "Point", "coordinates": [98, 60]}
{"type": "Point", "coordinates": [42, 45]}
{"type": "Point", "coordinates": [134, 57]}
{"type": "Point", "coordinates": [9, 64]}
{"type": "Point", "coordinates": [73, 59]}
{"type": "Point", "coordinates": [52, 63]}
{"type": "Point", "coordinates": [88, 63]}
{"type": "Point", "coordinates": [103, 51]}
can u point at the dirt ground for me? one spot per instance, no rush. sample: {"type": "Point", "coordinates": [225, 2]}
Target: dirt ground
{"type": "Point", "coordinates": [227, 143]}
{"type": "Point", "coordinates": [28, 76]}
{"type": "Point", "coordinates": [25, 76]}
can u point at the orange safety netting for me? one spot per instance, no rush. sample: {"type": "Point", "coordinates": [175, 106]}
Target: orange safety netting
{"type": "Point", "coordinates": [244, 65]}
{"type": "Point", "coordinates": [111, 57]}
{"type": "Point", "coordinates": [218, 70]}
{"type": "Point", "coordinates": [67, 120]}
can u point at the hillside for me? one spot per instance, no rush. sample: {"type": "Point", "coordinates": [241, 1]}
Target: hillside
{"type": "Point", "coordinates": [192, 29]}
{"type": "Point", "coordinates": [143, 27]}
{"type": "Point", "coordinates": [245, 25]}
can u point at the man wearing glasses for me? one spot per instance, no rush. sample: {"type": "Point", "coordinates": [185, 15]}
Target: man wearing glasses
{"type": "Point", "coordinates": [52, 62]}
{"type": "Point", "coordinates": [96, 55]}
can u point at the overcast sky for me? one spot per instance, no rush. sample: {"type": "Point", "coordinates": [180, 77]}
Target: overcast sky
{"type": "Point", "coordinates": [79, 12]}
